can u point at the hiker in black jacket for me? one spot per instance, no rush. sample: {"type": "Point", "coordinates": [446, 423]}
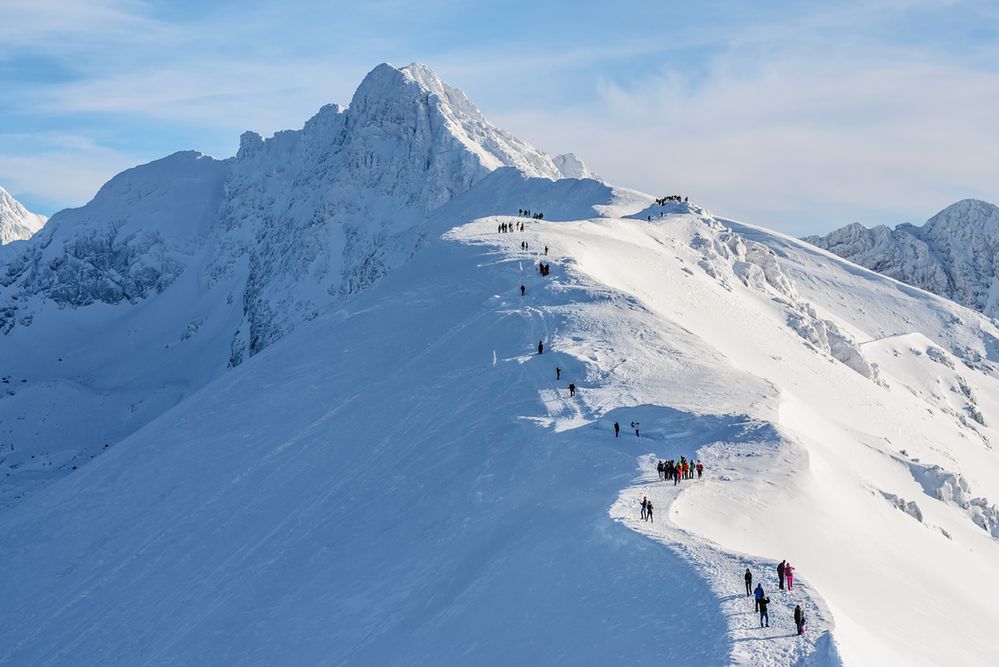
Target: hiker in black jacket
{"type": "Point", "coordinates": [749, 582]}
{"type": "Point", "coordinates": [764, 615]}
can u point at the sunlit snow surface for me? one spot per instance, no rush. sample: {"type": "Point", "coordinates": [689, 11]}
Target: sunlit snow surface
{"type": "Point", "coordinates": [403, 481]}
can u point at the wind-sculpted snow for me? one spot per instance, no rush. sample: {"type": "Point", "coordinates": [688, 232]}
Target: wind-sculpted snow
{"type": "Point", "coordinates": [757, 266]}
{"type": "Point", "coordinates": [16, 222]}
{"type": "Point", "coordinates": [954, 488]}
{"type": "Point", "coordinates": [954, 254]}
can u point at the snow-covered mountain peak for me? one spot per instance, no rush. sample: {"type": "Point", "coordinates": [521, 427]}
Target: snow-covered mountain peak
{"type": "Point", "coordinates": [954, 254]}
{"type": "Point", "coordinates": [415, 100]}
{"type": "Point", "coordinates": [967, 214]}
{"type": "Point", "coordinates": [211, 261]}
{"type": "Point", "coordinates": [16, 222]}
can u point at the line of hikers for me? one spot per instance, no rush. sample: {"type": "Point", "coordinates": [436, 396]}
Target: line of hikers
{"type": "Point", "coordinates": [670, 198]}
{"type": "Point", "coordinates": [677, 470]}
{"type": "Point", "coordinates": [785, 571]}
{"type": "Point", "coordinates": [526, 213]}
{"type": "Point", "coordinates": [505, 227]}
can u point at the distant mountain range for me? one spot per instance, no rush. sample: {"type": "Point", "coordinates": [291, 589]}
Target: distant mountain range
{"type": "Point", "coordinates": [955, 254]}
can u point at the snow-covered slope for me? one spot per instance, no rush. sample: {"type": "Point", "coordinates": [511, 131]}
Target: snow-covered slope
{"type": "Point", "coordinates": [954, 254]}
{"type": "Point", "coordinates": [288, 408]}
{"type": "Point", "coordinates": [403, 480]}
{"type": "Point", "coordinates": [16, 222]}
{"type": "Point", "coordinates": [182, 267]}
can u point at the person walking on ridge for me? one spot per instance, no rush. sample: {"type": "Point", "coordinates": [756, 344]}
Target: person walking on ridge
{"type": "Point", "coordinates": [780, 574]}
{"type": "Point", "coordinates": [541, 347]}
{"type": "Point", "coordinates": [648, 512]}
{"type": "Point", "coordinates": [645, 503]}
{"type": "Point", "coordinates": [789, 575]}
{"type": "Point", "coordinates": [799, 619]}
{"type": "Point", "coordinates": [749, 582]}
{"type": "Point", "coordinates": [764, 615]}
{"type": "Point", "coordinates": [758, 594]}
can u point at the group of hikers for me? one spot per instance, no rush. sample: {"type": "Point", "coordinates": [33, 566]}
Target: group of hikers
{"type": "Point", "coordinates": [662, 201]}
{"type": "Point", "coordinates": [505, 227]}
{"type": "Point", "coordinates": [785, 572]}
{"type": "Point", "coordinates": [544, 269]}
{"type": "Point", "coordinates": [678, 470]}
{"type": "Point", "coordinates": [526, 213]}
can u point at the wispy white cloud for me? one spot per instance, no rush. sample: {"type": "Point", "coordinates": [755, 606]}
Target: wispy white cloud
{"type": "Point", "coordinates": [800, 145]}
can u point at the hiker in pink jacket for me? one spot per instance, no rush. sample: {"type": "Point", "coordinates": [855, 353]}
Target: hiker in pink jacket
{"type": "Point", "coordinates": [789, 575]}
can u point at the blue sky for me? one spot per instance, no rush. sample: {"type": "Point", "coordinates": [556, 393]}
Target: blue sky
{"type": "Point", "coordinates": [798, 116]}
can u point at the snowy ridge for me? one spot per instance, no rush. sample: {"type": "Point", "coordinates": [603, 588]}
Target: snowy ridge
{"type": "Point", "coordinates": [953, 254]}
{"type": "Point", "coordinates": [188, 265]}
{"type": "Point", "coordinates": [430, 479]}
{"type": "Point", "coordinates": [16, 222]}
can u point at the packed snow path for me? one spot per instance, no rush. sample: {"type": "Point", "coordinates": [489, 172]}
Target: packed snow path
{"type": "Point", "coordinates": [672, 433]}
{"type": "Point", "coordinates": [778, 644]}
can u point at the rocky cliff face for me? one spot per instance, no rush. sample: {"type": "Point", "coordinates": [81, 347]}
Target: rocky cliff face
{"type": "Point", "coordinates": [955, 254]}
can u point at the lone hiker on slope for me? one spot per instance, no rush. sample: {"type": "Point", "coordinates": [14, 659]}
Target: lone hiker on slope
{"type": "Point", "coordinates": [749, 582]}
{"type": "Point", "coordinates": [617, 429]}
{"type": "Point", "coordinates": [572, 389]}
{"type": "Point", "coordinates": [799, 619]}
{"type": "Point", "coordinates": [541, 347]}
{"type": "Point", "coordinates": [764, 615]}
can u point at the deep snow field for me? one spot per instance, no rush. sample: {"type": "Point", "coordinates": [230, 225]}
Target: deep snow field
{"type": "Point", "coordinates": [403, 481]}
